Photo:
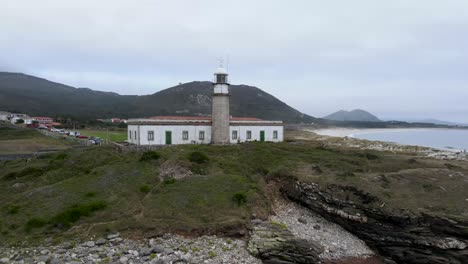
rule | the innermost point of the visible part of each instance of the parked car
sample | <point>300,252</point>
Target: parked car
<point>82,136</point>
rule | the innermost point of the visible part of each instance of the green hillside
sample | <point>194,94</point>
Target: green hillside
<point>36,96</point>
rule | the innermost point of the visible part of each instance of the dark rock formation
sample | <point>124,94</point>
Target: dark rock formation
<point>275,244</point>
<point>403,237</point>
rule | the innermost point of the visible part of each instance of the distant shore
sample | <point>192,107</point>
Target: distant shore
<point>351,132</point>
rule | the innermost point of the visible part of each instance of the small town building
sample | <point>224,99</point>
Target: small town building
<point>219,128</point>
<point>4,116</point>
<point>43,119</point>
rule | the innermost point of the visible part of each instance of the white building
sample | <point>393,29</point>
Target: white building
<point>220,128</point>
<point>4,116</point>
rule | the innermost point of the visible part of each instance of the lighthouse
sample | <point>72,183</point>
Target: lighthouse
<point>220,108</point>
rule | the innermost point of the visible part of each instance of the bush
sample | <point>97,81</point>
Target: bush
<point>198,157</point>
<point>35,223</point>
<point>145,188</point>
<point>31,171</point>
<point>90,194</point>
<point>169,181</point>
<point>13,209</point>
<point>240,198</point>
<point>149,155</point>
<point>74,213</point>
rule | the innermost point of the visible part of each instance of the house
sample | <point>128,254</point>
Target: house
<point>43,119</point>
<point>219,128</point>
<point>15,117</point>
<point>4,115</point>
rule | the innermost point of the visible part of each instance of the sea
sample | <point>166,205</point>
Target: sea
<point>445,139</point>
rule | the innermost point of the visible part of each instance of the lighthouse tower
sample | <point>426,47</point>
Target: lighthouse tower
<point>220,107</point>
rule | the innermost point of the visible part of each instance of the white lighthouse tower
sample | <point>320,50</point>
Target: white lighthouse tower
<point>220,107</point>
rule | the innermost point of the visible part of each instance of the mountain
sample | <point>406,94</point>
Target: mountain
<point>355,115</point>
<point>435,121</point>
<point>37,96</point>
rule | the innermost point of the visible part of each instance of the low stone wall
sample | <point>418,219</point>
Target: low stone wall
<point>124,147</point>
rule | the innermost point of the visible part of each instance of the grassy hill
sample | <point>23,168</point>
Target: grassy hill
<point>97,190</point>
<point>36,96</point>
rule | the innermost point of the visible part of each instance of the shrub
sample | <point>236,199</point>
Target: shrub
<point>13,209</point>
<point>31,171</point>
<point>145,188</point>
<point>61,156</point>
<point>90,194</point>
<point>149,155</point>
<point>240,198</point>
<point>169,181</point>
<point>198,157</point>
<point>35,223</point>
<point>74,213</point>
<point>10,176</point>
<point>371,156</point>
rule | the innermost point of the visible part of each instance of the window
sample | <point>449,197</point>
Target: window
<point>221,78</point>
<point>150,135</point>
<point>135,135</point>
<point>201,135</point>
<point>234,134</point>
<point>130,134</point>
<point>249,134</point>
<point>275,134</point>
<point>185,135</point>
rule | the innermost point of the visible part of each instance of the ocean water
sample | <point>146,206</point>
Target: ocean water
<point>446,139</point>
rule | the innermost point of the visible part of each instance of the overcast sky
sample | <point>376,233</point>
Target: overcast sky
<point>397,59</point>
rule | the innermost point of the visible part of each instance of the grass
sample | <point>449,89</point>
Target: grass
<point>98,189</point>
<point>26,141</point>
<point>118,135</point>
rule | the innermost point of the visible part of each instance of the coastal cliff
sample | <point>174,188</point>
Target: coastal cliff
<point>402,237</point>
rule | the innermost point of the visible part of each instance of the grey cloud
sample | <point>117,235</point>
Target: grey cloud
<point>395,57</point>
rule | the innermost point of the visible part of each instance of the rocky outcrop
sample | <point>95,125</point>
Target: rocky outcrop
<point>275,244</point>
<point>401,237</point>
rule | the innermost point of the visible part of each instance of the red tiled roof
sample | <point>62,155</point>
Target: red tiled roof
<point>204,118</point>
<point>181,117</point>
<point>245,119</point>
<point>41,117</point>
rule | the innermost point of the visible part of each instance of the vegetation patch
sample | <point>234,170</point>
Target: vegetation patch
<point>12,209</point>
<point>240,198</point>
<point>73,214</point>
<point>34,223</point>
<point>145,188</point>
<point>198,157</point>
<point>150,155</point>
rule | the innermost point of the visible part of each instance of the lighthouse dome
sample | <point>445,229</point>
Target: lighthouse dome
<point>220,70</point>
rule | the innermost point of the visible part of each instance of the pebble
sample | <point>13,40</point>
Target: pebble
<point>90,244</point>
<point>162,250</point>
<point>112,236</point>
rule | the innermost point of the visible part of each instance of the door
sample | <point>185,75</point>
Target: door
<point>168,137</point>
<point>262,136</point>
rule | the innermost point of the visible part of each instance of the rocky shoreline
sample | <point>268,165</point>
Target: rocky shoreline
<point>404,238</point>
<point>115,249</point>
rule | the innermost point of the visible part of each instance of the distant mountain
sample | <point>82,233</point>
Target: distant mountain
<point>36,96</point>
<point>435,121</point>
<point>355,115</point>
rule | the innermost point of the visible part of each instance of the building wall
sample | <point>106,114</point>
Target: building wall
<point>160,134</point>
<point>193,133</point>
<point>269,130</point>
<point>221,119</point>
